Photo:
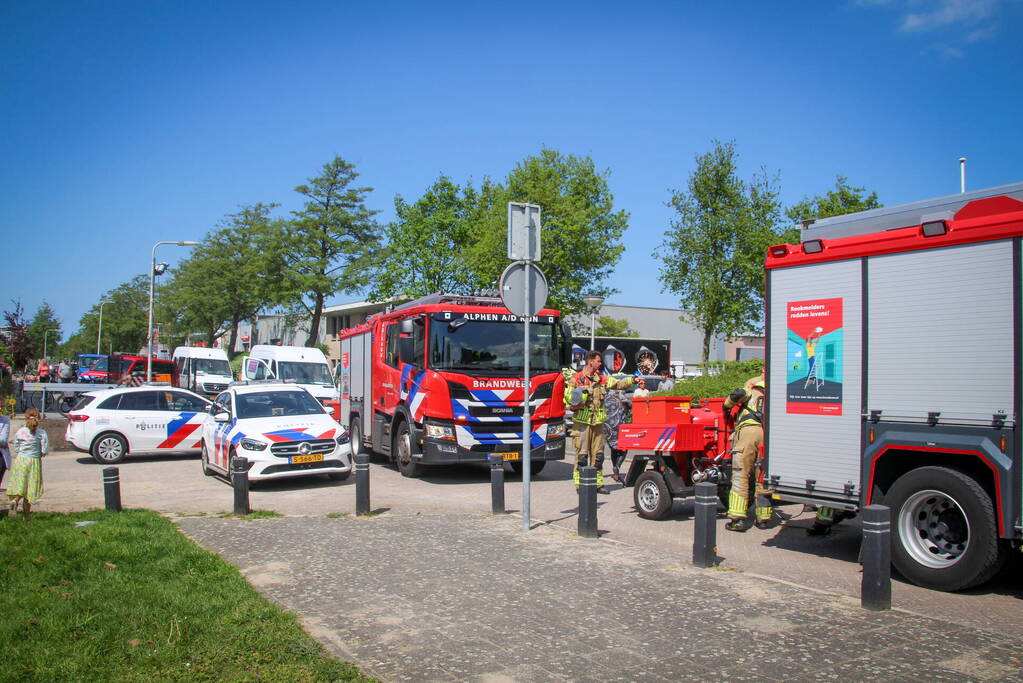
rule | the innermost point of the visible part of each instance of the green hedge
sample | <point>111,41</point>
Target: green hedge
<point>726,377</point>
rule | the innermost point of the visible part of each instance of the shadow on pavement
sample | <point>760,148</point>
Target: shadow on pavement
<point>139,459</point>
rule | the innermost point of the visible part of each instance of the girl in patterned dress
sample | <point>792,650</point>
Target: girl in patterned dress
<point>25,484</point>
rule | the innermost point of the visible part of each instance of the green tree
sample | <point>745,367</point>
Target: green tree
<point>124,319</point>
<point>229,277</point>
<point>713,254</point>
<point>20,347</point>
<point>842,200</point>
<point>427,243</point>
<point>45,319</point>
<point>581,235</point>
<point>614,327</point>
<point>332,244</point>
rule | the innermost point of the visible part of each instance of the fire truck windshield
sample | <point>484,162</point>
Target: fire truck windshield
<point>481,347</point>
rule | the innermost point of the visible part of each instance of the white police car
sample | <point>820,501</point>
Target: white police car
<point>112,423</point>
<point>280,428</point>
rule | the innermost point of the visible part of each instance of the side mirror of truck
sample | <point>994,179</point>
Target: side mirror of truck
<point>566,345</point>
<point>406,326</point>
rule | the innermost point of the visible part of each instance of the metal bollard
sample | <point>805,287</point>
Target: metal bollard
<point>496,483</point>
<point>705,545</point>
<point>362,483</point>
<point>588,502</point>
<point>876,585</point>
<point>112,488</point>
<point>240,482</point>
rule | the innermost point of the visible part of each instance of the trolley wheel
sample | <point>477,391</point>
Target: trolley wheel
<point>651,495</point>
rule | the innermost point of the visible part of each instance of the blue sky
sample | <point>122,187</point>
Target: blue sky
<point>126,123</point>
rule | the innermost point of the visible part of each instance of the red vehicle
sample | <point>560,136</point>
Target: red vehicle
<point>689,440</point>
<point>440,381</point>
<point>129,369</point>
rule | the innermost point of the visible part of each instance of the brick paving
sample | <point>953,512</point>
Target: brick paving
<point>467,596</point>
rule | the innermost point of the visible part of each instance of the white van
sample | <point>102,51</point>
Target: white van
<point>204,371</point>
<point>302,365</point>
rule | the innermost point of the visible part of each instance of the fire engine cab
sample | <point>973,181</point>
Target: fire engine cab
<point>895,348</point>
<point>440,381</point>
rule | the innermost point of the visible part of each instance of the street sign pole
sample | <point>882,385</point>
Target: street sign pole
<point>527,464</point>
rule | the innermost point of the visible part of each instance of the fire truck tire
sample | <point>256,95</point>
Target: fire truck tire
<point>109,448</point>
<point>651,496</point>
<point>355,434</point>
<point>535,467</point>
<point>945,529</point>
<point>403,451</point>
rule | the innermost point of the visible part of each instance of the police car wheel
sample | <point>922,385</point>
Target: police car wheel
<point>651,496</point>
<point>109,448</point>
<point>206,461</point>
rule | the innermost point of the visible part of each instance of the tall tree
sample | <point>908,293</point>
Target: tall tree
<point>125,318</point>
<point>839,201</point>
<point>20,347</point>
<point>581,235</point>
<point>332,244</point>
<point>45,331</point>
<point>427,243</point>
<point>230,276</point>
<point>713,254</point>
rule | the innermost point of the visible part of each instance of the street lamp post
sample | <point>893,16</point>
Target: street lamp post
<point>99,332</point>
<point>594,302</point>
<point>152,283</point>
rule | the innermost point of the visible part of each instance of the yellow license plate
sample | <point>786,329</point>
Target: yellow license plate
<point>513,456</point>
<point>298,459</point>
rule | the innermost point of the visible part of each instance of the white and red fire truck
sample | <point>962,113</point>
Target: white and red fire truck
<point>895,348</point>
<point>440,381</point>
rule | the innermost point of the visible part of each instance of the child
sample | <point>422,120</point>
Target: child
<point>25,484</point>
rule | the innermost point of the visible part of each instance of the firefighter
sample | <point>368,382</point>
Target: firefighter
<point>826,518</point>
<point>585,396</point>
<point>746,441</point>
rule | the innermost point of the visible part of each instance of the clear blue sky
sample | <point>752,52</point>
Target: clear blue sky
<point>125,123</point>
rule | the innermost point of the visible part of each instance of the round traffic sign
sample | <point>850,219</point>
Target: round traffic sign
<point>523,288</point>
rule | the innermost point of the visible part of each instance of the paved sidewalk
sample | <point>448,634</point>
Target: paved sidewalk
<point>467,596</point>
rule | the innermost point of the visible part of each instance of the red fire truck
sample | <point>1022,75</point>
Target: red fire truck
<point>440,381</point>
<point>895,348</point>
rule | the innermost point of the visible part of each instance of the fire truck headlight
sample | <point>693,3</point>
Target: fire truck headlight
<point>556,431</point>
<point>253,445</point>
<point>440,432</point>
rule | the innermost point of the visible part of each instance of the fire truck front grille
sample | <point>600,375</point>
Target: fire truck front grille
<point>288,448</point>
<point>498,410</point>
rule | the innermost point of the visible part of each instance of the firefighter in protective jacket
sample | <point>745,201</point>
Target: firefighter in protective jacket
<point>746,441</point>
<point>585,396</point>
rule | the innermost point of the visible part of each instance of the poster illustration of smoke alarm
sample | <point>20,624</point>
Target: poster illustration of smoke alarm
<point>814,370</point>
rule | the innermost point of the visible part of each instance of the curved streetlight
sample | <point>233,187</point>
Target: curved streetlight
<point>152,282</point>
<point>593,301</point>
<point>99,332</point>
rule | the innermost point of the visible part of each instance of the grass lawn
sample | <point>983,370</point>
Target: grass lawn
<point>130,598</point>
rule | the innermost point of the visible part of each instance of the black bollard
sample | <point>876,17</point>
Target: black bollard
<point>876,585</point>
<point>496,483</point>
<point>362,483</point>
<point>240,482</point>
<point>112,488</point>
<point>588,502</point>
<point>705,546</point>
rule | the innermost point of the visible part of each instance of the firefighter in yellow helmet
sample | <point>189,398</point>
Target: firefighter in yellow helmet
<point>585,396</point>
<point>746,441</point>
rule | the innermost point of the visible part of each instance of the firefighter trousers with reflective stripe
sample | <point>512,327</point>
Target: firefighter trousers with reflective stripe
<point>589,450</point>
<point>745,452</point>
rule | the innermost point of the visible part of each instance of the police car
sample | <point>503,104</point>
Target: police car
<point>112,423</point>
<point>280,428</point>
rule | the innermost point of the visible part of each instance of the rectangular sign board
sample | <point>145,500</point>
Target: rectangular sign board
<point>523,232</point>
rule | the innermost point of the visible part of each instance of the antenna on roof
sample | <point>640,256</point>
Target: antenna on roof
<point>962,174</point>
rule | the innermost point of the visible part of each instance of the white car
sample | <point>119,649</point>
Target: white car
<point>280,428</point>
<point>112,423</point>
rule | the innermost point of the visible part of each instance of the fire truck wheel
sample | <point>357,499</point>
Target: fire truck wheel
<point>535,467</point>
<point>355,433</point>
<point>407,465</point>
<point>109,448</point>
<point>651,496</point>
<point>206,461</point>
<point>945,529</point>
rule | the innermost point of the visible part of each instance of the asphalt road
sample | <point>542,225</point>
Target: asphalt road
<point>176,486</point>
